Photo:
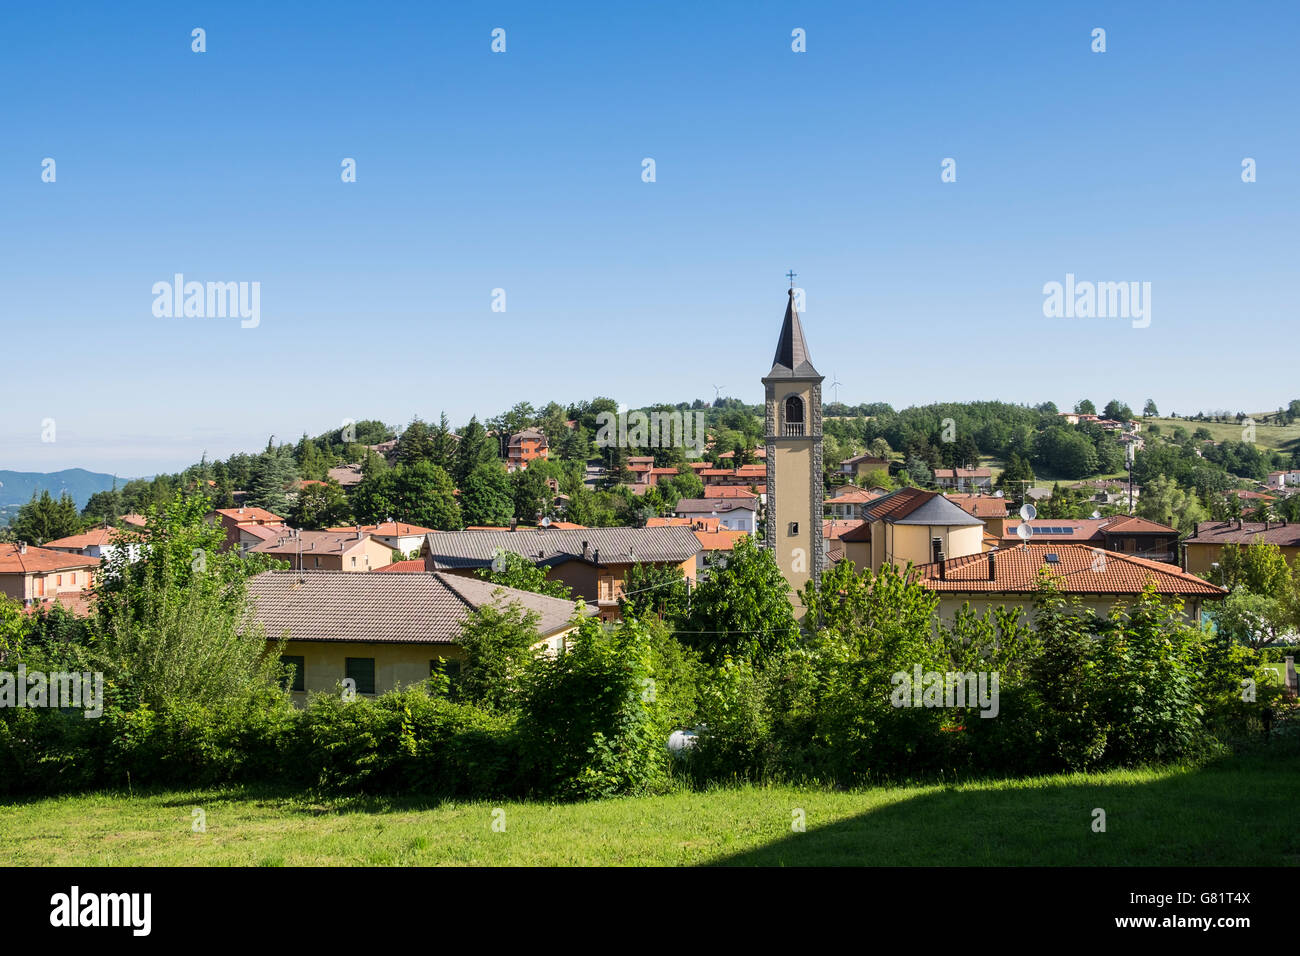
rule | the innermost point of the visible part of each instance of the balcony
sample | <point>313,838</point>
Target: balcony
<point>793,430</point>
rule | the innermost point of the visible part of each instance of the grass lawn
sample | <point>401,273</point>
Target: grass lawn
<point>1235,812</point>
<point>1266,435</point>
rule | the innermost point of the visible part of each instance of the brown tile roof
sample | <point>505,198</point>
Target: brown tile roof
<point>346,475</point>
<point>13,561</point>
<point>423,608</point>
<point>309,543</point>
<point>1017,572</point>
<point>1283,534</point>
<point>699,524</point>
<point>963,473</point>
<point>134,520</point>
<point>475,549</point>
<point>265,531</point>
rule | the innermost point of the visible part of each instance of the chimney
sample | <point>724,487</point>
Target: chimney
<point>514,523</point>
<point>22,547</point>
<point>586,549</point>
<point>943,568</point>
<point>993,565</point>
<point>358,534</point>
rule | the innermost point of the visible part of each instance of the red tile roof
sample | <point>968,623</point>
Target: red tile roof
<point>96,537</point>
<point>389,528</point>
<point>12,561</point>
<point>724,539</point>
<point>1078,571</point>
<point>250,513</point>
<point>835,528</point>
<point>416,564</point>
<point>728,491</point>
<point>981,506</point>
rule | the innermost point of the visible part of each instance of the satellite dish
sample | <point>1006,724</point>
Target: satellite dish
<point>1024,532</point>
<point>998,494</point>
<point>1028,511</point>
<point>546,522</point>
<point>1096,514</point>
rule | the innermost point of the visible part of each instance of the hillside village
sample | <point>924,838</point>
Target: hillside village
<point>378,545</point>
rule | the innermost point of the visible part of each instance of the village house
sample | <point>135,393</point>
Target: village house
<point>30,574</point>
<point>964,479</point>
<point>96,543</point>
<point>911,526</point>
<point>1203,548</point>
<point>327,550</point>
<point>594,562</point>
<point>1281,480</point>
<point>833,529</point>
<point>347,476</point>
<point>396,535</point>
<point>734,514</point>
<point>248,526</point>
<point>1120,534</point>
<point>859,466</point>
<point>1008,577</point>
<point>411,624</point>
<point>847,501</point>
<point>715,540</point>
<point>525,446</point>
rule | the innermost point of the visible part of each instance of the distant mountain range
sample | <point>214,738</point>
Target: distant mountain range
<point>17,487</point>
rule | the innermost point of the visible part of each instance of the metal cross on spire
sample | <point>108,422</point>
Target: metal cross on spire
<point>791,274</point>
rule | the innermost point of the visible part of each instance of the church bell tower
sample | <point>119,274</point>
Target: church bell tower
<point>794,456</point>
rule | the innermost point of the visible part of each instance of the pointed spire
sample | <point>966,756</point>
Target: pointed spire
<point>791,359</point>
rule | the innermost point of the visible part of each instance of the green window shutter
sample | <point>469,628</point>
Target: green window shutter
<point>362,670</point>
<point>299,679</point>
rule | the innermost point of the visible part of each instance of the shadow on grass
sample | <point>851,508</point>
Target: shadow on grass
<point>1234,812</point>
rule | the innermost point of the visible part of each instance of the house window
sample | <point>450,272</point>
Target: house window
<point>58,579</point>
<point>317,560</point>
<point>354,562</point>
<point>362,670</point>
<point>298,679</point>
<point>794,415</point>
<point>450,668</point>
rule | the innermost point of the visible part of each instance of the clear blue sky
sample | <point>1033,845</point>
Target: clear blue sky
<point>523,171</point>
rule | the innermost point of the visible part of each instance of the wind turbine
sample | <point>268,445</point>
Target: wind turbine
<point>717,390</point>
<point>835,384</point>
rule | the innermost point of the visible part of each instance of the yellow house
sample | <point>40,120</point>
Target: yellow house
<point>1204,546</point>
<point>327,550</point>
<point>384,630</point>
<point>911,526</point>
